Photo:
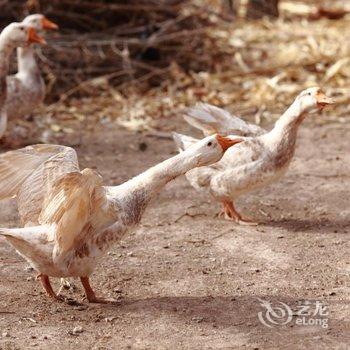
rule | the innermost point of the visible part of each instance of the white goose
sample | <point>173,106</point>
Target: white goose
<point>256,162</point>
<point>12,36</point>
<point>26,89</point>
<point>71,219</point>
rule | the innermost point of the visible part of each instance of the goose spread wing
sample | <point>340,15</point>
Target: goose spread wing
<point>72,204</point>
<point>29,173</point>
<point>211,119</point>
<point>183,141</point>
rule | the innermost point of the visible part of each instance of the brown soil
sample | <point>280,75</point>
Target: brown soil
<point>187,280</point>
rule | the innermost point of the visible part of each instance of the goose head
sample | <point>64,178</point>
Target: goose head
<point>39,22</point>
<point>21,35</point>
<point>211,149</point>
<point>312,100</point>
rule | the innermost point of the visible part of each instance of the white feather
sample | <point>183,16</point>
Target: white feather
<point>211,119</point>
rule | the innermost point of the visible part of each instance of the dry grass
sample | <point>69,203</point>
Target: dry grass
<point>256,69</point>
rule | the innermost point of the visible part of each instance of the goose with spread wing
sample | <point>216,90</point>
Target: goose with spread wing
<point>256,162</point>
<point>70,219</point>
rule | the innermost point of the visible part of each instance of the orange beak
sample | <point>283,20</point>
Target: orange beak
<point>33,37</point>
<point>323,100</point>
<point>48,25</point>
<point>226,142</point>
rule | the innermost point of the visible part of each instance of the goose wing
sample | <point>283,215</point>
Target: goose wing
<point>238,161</point>
<point>211,119</point>
<point>29,174</point>
<point>183,141</point>
<point>72,204</point>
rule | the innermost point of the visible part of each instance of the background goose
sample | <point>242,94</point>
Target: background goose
<point>12,36</point>
<point>26,89</point>
<point>256,162</point>
<point>70,218</point>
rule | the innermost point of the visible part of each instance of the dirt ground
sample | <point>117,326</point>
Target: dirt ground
<point>187,280</point>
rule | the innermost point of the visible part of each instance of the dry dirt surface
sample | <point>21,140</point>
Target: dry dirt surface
<point>188,280</point>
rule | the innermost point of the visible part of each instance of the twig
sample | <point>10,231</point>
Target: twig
<point>189,215</point>
<point>159,135</point>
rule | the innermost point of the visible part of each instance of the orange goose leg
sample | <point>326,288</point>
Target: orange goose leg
<point>48,288</point>
<point>229,212</point>
<point>91,296</point>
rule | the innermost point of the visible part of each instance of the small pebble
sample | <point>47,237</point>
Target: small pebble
<point>5,334</point>
<point>72,302</point>
<point>198,319</point>
<point>81,307</point>
<point>78,330</point>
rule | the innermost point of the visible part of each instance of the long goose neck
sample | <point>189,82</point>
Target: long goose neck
<point>26,60</point>
<point>6,49</point>
<point>154,179</point>
<point>287,125</point>
<point>134,195</point>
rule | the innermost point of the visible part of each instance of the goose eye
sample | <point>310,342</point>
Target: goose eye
<point>209,143</point>
<point>21,28</point>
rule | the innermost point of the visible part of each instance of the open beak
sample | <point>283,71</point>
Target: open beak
<point>227,142</point>
<point>48,25</point>
<point>33,37</point>
<point>323,100</point>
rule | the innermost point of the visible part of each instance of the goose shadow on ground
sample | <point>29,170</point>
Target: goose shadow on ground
<point>312,225</point>
<point>237,314</point>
